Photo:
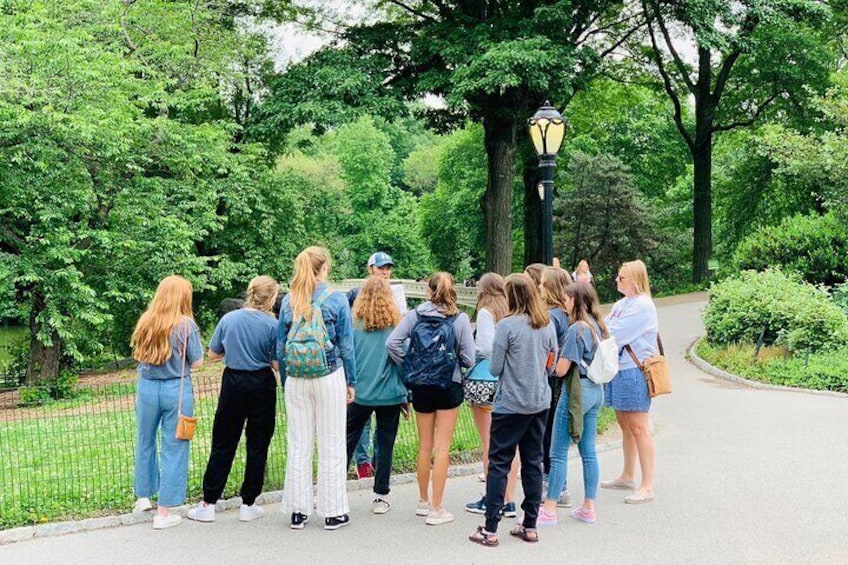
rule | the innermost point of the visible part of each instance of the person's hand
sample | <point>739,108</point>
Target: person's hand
<point>351,394</point>
<point>404,409</point>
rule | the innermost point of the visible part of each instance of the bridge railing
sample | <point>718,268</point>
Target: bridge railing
<point>466,296</point>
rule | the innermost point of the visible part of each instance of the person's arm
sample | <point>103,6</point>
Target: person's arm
<point>499,347</point>
<point>465,339</point>
<point>394,343</point>
<point>283,327</point>
<point>194,351</point>
<point>214,355</point>
<point>344,331</point>
<point>485,334</point>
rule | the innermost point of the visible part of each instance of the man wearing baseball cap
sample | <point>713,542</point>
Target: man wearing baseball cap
<point>380,264</point>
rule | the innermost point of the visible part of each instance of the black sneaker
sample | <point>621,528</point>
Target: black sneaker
<point>336,522</point>
<point>298,521</point>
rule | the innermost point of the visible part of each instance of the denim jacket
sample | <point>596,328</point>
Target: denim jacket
<point>337,320</point>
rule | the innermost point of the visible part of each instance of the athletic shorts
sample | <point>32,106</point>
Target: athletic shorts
<point>429,399</point>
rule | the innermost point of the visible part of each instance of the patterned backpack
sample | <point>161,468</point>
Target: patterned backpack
<point>307,343</point>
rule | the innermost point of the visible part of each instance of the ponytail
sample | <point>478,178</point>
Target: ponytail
<point>307,265</point>
<point>261,293</point>
<point>443,293</point>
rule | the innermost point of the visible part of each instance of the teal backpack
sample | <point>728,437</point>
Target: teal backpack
<point>307,344</point>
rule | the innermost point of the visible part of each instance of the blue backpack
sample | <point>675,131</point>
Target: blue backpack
<point>431,358</point>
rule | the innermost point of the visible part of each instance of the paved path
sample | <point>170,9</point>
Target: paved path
<point>744,476</point>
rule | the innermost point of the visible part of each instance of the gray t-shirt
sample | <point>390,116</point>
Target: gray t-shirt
<point>247,338</point>
<point>170,369</point>
<point>519,355</point>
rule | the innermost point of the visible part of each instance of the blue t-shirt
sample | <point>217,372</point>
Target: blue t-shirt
<point>170,369</point>
<point>247,338</point>
<point>560,319</point>
<point>581,344</point>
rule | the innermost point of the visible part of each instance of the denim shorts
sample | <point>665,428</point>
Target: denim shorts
<point>628,391</point>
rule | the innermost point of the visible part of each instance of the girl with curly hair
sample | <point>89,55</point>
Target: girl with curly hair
<point>379,388</point>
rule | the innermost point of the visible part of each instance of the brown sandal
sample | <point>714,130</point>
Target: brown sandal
<point>483,537</point>
<point>530,535</point>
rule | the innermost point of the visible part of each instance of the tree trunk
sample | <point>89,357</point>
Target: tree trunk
<point>497,201</point>
<point>44,359</point>
<point>532,210</point>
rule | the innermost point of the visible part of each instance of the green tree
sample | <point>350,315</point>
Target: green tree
<point>751,57</point>
<point>492,61</point>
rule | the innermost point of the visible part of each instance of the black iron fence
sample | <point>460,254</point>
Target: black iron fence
<point>74,458</point>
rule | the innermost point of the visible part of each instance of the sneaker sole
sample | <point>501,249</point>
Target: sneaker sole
<point>422,511</point>
<point>198,519</point>
<point>299,526</point>
<point>510,514</point>
<point>477,510</point>
<point>250,518</point>
<point>439,522</point>
<point>336,526</point>
<point>380,511</point>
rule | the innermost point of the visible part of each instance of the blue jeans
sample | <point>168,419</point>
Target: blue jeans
<point>156,408</point>
<point>593,397</point>
<point>360,455</point>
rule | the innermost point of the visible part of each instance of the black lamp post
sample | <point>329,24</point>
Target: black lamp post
<point>547,130</point>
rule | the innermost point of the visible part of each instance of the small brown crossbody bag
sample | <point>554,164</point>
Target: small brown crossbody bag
<point>655,370</point>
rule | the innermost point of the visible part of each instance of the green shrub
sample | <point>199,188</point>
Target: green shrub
<point>817,371</point>
<point>785,310</point>
<point>840,296</point>
<point>815,247</point>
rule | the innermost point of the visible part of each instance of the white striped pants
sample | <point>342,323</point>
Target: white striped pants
<point>316,409</point>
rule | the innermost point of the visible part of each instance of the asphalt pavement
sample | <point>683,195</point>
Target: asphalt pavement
<point>743,476</point>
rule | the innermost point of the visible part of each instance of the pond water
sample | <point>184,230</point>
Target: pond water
<point>9,337</point>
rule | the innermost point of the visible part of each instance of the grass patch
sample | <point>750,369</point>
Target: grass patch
<point>775,365</point>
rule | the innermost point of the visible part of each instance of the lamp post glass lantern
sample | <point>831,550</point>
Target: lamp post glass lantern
<point>547,130</point>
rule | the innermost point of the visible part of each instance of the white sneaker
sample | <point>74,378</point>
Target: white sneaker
<point>202,512</point>
<point>438,517</point>
<point>143,504</point>
<point>250,513</point>
<point>380,505</point>
<point>423,508</point>
<point>163,522</point>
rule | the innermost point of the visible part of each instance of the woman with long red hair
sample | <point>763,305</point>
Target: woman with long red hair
<point>166,344</point>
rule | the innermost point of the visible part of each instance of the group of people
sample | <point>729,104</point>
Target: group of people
<point>341,358</point>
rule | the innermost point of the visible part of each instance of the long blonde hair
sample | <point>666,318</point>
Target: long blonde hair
<point>307,265</point>
<point>262,293</point>
<point>151,340</point>
<point>491,295</point>
<point>375,306</point>
<point>443,293</point>
<point>523,296</point>
<point>638,273</point>
<point>554,281</point>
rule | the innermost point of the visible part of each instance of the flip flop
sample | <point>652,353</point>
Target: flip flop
<point>530,535</point>
<point>483,537</point>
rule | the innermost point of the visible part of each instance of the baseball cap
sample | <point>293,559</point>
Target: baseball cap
<point>380,259</point>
